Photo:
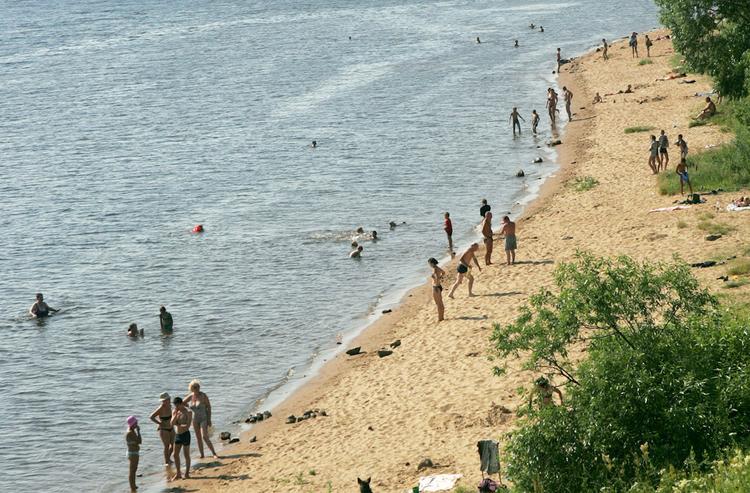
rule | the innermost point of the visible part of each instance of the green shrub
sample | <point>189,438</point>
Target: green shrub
<point>667,379</point>
<point>740,268</point>
<point>583,183</point>
<point>697,123</point>
<point>738,283</point>
<point>638,128</point>
<point>715,228</point>
<point>645,61</point>
<point>681,224</point>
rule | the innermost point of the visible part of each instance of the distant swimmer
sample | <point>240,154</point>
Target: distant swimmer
<point>314,144</point>
<point>485,207</point>
<point>464,268</point>
<point>354,245</point>
<point>487,234</point>
<point>350,38</point>
<point>40,309</point>
<point>360,230</point>
<point>374,236</point>
<point>516,44</point>
<point>393,224</point>
<point>478,42</point>
<point>532,26</point>
<point>134,332</point>
<point>509,231</point>
<point>448,228</point>
<point>605,49</point>
<point>534,120</point>
<point>559,60</point>
<point>165,320</point>
<point>541,29</point>
<point>437,287</point>
<point>514,116</point>
<point>357,253</point>
<point>568,97</point>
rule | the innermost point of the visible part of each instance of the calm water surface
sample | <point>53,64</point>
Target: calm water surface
<point>123,124</point>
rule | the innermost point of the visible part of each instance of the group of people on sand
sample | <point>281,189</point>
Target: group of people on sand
<point>469,256</point>
<point>633,43</point>
<point>658,158</point>
<point>742,202</point>
<point>173,419</point>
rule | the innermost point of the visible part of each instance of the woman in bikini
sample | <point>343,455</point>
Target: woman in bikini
<point>437,287</point>
<point>201,408</point>
<point>162,416</point>
<point>181,419</point>
<point>133,441</point>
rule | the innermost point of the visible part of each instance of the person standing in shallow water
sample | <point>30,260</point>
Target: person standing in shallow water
<point>487,234</point>
<point>40,309</point>
<point>201,408</point>
<point>484,208</point>
<point>448,228</point>
<point>133,441</point>
<point>165,320</point>
<point>534,120</point>
<point>437,287</point>
<point>514,116</point>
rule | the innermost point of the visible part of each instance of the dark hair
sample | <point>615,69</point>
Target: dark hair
<point>484,201</point>
<point>162,309</point>
<point>132,326</point>
<point>177,401</point>
<point>432,261</point>
<point>506,218</point>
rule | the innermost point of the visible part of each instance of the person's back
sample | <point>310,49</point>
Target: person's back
<point>165,319</point>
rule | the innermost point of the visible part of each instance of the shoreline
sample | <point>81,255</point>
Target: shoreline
<point>435,396</point>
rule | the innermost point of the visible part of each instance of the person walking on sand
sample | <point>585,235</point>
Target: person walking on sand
<point>181,419</point>
<point>201,409</point>
<point>682,172</point>
<point>40,309</point>
<point>133,441</point>
<point>663,151</point>
<point>649,44</point>
<point>509,231</point>
<point>682,145</point>
<point>605,49</point>
<point>448,228</point>
<point>568,97</point>
<point>534,120</point>
<point>514,116</point>
<point>162,417</point>
<point>437,287</point>
<point>487,234</point>
<point>484,208</point>
<point>653,156</point>
<point>634,44</point>
<point>165,320</point>
<point>464,268</point>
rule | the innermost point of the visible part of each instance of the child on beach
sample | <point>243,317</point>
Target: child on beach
<point>448,228</point>
<point>437,287</point>
<point>654,155</point>
<point>534,120</point>
<point>181,420</point>
<point>684,178</point>
<point>133,441</point>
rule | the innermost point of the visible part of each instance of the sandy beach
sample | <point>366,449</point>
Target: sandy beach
<point>436,395</point>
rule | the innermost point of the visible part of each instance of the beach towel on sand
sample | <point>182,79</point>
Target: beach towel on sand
<point>735,208</point>
<point>439,482</point>
<point>670,209</point>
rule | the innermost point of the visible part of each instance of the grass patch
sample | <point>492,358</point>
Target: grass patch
<point>464,489</point>
<point>739,268</point>
<point>697,123</point>
<point>705,215</point>
<point>715,228</point>
<point>736,283</point>
<point>645,61</point>
<point>638,128</point>
<point>583,183</point>
<point>726,167</point>
<point>681,224</point>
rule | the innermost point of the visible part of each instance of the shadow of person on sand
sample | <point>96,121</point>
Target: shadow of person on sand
<point>466,317</point>
<point>500,295</point>
<point>534,262</point>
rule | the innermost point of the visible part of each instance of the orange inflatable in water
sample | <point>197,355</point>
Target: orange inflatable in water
<point>198,229</point>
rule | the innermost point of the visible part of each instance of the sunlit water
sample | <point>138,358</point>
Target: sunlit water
<point>123,124</point>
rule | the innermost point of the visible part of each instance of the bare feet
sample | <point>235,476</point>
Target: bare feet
<point>216,457</point>
<point>176,477</point>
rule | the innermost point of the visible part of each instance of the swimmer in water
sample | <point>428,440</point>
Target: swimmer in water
<point>357,253</point>
<point>541,29</point>
<point>478,42</point>
<point>532,26</point>
<point>165,320</point>
<point>374,236</point>
<point>354,245</point>
<point>314,144</point>
<point>360,230</point>
<point>516,45</point>
<point>134,332</point>
<point>40,309</point>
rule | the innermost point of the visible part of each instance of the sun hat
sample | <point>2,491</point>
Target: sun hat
<point>132,421</point>
<point>164,396</point>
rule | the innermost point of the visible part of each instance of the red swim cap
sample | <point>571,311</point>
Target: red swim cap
<point>198,229</point>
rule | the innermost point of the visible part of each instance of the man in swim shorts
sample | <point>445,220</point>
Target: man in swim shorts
<point>682,172</point>
<point>682,145</point>
<point>663,152</point>
<point>514,116</point>
<point>40,309</point>
<point>509,231</point>
<point>708,111</point>
<point>487,233</point>
<point>464,268</point>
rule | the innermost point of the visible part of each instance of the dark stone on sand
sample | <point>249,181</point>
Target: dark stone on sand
<point>712,237</point>
<point>267,414</point>
<point>259,417</point>
<point>323,412</point>
<point>251,419</point>
<point>370,428</point>
<point>723,278</point>
<point>234,440</point>
<point>354,351</point>
<point>425,463</point>
<point>396,343</point>
<point>555,142</point>
<point>384,352</point>
<point>703,265</point>
<point>387,311</point>
<point>520,173</point>
<point>225,435</point>
<point>301,419</point>
<point>538,160</point>
<point>291,419</point>
<point>253,439</point>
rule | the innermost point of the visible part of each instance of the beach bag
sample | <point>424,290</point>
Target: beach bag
<point>695,199</point>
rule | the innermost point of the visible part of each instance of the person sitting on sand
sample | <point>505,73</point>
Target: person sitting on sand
<point>653,156</point>
<point>684,178</point>
<point>487,234</point>
<point>513,119</point>
<point>464,268</point>
<point>448,228</point>
<point>509,231</point>
<point>605,49</point>
<point>568,98</point>
<point>634,44</point>
<point>356,253</point>
<point>165,320</point>
<point>133,441</point>
<point>40,309</point>
<point>544,391</point>
<point>628,90</point>
<point>133,331</point>
<point>597,99</point>
<point>708,111</point>
<point>437,287</point>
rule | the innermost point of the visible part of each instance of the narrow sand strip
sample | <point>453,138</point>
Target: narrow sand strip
<point>434,396</point>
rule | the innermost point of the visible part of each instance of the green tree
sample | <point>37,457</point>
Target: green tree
<point>714,38</point>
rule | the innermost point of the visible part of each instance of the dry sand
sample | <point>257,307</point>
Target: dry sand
<point>436,395</point>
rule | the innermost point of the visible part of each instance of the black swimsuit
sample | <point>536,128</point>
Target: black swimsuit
<point>165,419</point>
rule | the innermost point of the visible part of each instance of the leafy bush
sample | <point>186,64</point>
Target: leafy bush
<point>715,228</point>
<point>740,268</point>
<point>583,183</point>
<point>638,128</point>
<point>646,61</point>
<point>667,377</point>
